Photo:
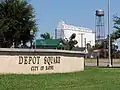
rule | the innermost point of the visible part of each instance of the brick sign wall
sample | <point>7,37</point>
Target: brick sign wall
<point>36,64</point>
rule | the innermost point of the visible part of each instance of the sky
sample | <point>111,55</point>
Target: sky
<point>76,12</point>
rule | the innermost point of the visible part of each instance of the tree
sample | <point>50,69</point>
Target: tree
<point>102,45</point>
<point>46,36</point>
<point>116,35</point>
<point>17,19</point>
<point>69,44</point>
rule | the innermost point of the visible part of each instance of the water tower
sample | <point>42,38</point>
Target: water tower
<point>99,25</point>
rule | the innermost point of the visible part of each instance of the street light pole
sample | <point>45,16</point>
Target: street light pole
<point>35,41</point>
<point>109,47</point>
<point>31,41</point>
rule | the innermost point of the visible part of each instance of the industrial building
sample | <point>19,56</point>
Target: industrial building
<point>83,35</point>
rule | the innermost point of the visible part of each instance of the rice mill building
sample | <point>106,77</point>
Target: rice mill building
<point>83,35</point>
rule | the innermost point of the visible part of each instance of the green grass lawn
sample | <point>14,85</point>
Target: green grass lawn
<point>92,78</point>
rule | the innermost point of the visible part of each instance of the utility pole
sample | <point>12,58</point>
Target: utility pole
<point>109,47</point>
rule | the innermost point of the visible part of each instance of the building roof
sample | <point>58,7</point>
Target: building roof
<point>48,42</point>
<point>62,25</point>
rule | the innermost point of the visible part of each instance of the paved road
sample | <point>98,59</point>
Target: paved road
<point>101,64</point>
